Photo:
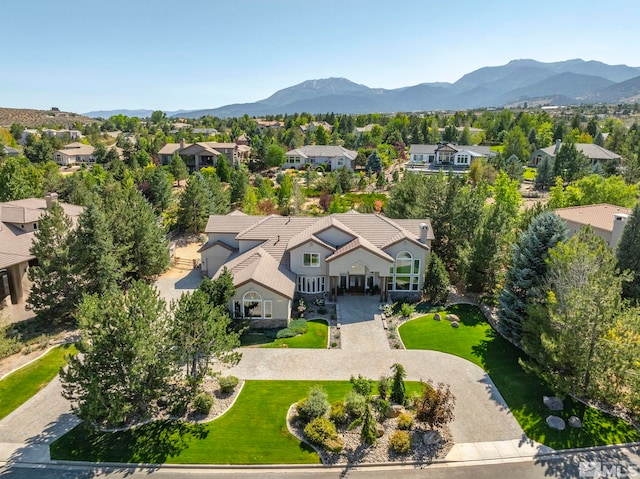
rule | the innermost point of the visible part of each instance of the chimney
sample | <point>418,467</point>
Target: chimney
<point>182,143</point>
<point>424,229</point>
<point>558,145</point>
<point>50,198</point>
<point>619,222</point>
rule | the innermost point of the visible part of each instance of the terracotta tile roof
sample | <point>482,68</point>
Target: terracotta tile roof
<point>598,216</point>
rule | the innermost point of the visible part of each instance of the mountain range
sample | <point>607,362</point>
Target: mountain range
<point>519,81</point>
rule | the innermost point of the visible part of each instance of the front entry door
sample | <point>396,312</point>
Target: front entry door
<point>356,284</point>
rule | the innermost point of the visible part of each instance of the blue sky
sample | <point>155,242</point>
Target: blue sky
<point>192,54</point>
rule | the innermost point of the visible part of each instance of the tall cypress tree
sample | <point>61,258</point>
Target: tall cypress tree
<point>527,271</point>
<point>196,204</point>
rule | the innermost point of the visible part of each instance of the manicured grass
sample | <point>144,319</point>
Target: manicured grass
<point>21,385</point>
<point>530,173</point>
<point>315,338</point>
<point>253,431</point>
<point>477,342</point>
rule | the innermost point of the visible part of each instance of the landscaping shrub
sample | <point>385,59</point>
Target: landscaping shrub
<point>203,403</point>
<point>400,442</point>
<point>361,385</point>
<point>338,413</point>
<point>384,386</point>
<point>382,408</point>
<point>405,421</point>
<point>355,404</point>
<point>179,408</point>
<point>406,310</point>
<point>435,406</point>
<point>295,328</point>
<point>323,432</point>
<point>368,433</point>
<point>227,383</point>
<point>314,405</point>
<point>398,390</point>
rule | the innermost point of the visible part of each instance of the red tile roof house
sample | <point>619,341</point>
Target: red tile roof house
<point>607,221</point>
<point>18,224</point>
<point>276,259</point>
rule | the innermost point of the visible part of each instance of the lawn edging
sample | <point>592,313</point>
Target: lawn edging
<point>33,360</point>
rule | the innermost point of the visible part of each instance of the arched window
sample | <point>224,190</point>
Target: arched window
<point>254,307</point>
<point>405,274</point>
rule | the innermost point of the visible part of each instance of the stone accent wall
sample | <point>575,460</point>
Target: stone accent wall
<point>267,323</point>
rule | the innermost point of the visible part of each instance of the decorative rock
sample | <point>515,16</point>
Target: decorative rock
<point>395,410</point>
<point>379,430</point>
<point>556,422</point>
<point>452,317</point>
<point>431,437</point>
<point>437,317</point>
<point>455,324</point>
<point>553,403</point>
<point>575,422</point>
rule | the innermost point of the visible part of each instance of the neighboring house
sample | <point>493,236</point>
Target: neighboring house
<point>264,125</point>
<point>274,259</point>
<point>447,154</point>
<point>18,223</point>
<point>359,130</point>
<point>74,153</point>
<point>592,151</point>
<point>63,134</point>
<point>199,155</point>
<point>607,221</point>
<point>331,156</point>
<point>25,134</point>
<point>312,126</point>
<point>9,151</point>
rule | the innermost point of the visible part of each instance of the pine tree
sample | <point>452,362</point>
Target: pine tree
<point>92,253</point>
<point>368,433</point>
<point>53,293</point>
<point>126,363</point>
<point>374,163</point>
<point>239,182</point>
<point>436,281</point>
<point>222,169</point>
<point>544,174</point>
<point>160,189</point>
<point>398,394</point>
<point>527,272</point>
<point>628,255</point>
<point>196,204</point>
<point>177,168</point>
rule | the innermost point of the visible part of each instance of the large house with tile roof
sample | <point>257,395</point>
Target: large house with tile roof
<point>447,154</point>
<point>607,221</point>
<point>18,224</point>
<point>594,152</point>
<point>274,259</point>
<point>329,157</point>
<point>200,154</point>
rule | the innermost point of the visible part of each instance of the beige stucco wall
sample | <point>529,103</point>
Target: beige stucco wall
<point>213,258</point>
<point>281,306</point>
<point>228,238</point>
<point>374,262</point>
<point>297,255</point>
<point>573,228</point>
<point>415,250</point>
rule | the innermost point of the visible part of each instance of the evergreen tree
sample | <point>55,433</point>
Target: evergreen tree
<point>368,433</point>
<point>465,136</point>
<point>374,163</point>
<point>178,169</point>
<point>436,281</point>
<point>222,169</point>
<point>598,139</point>
<point>239,182</point>
<point>196,204</point>
<point>200,332</point>
<point>219,290</point>
<point>126,362</point>
<point>53,293</point>
<point>92,253</point>
<point>564,336</point>
<point>275,156</point>
<point>285,191</point>
<point>19,179</point>
<point>570,164</point>
<point>628,255</point>
<point>219,194</point>
<point>544,174</point>
<point>398,394</point>
<point>527,271</point>
<point>160,189</point>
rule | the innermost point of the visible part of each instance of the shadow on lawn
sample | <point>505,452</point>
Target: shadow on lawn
<point>152,443</point>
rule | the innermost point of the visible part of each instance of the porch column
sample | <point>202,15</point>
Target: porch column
<point>15,283</point>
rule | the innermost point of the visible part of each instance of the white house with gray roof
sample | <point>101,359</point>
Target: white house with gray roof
<point>447,154</point>
<point>274,259</point>
<point>330,157</point>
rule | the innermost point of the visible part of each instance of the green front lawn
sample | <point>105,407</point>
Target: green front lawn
<point>253,431</point>
<point>530,173</point>
<point>477,342</point>
<point>21,385</point>
<point>316,337</point>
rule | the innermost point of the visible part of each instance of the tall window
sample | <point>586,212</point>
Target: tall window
<point>311,259</point>
<point>253,306</point>
<point>405,274</point>
<point>311,284</point>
